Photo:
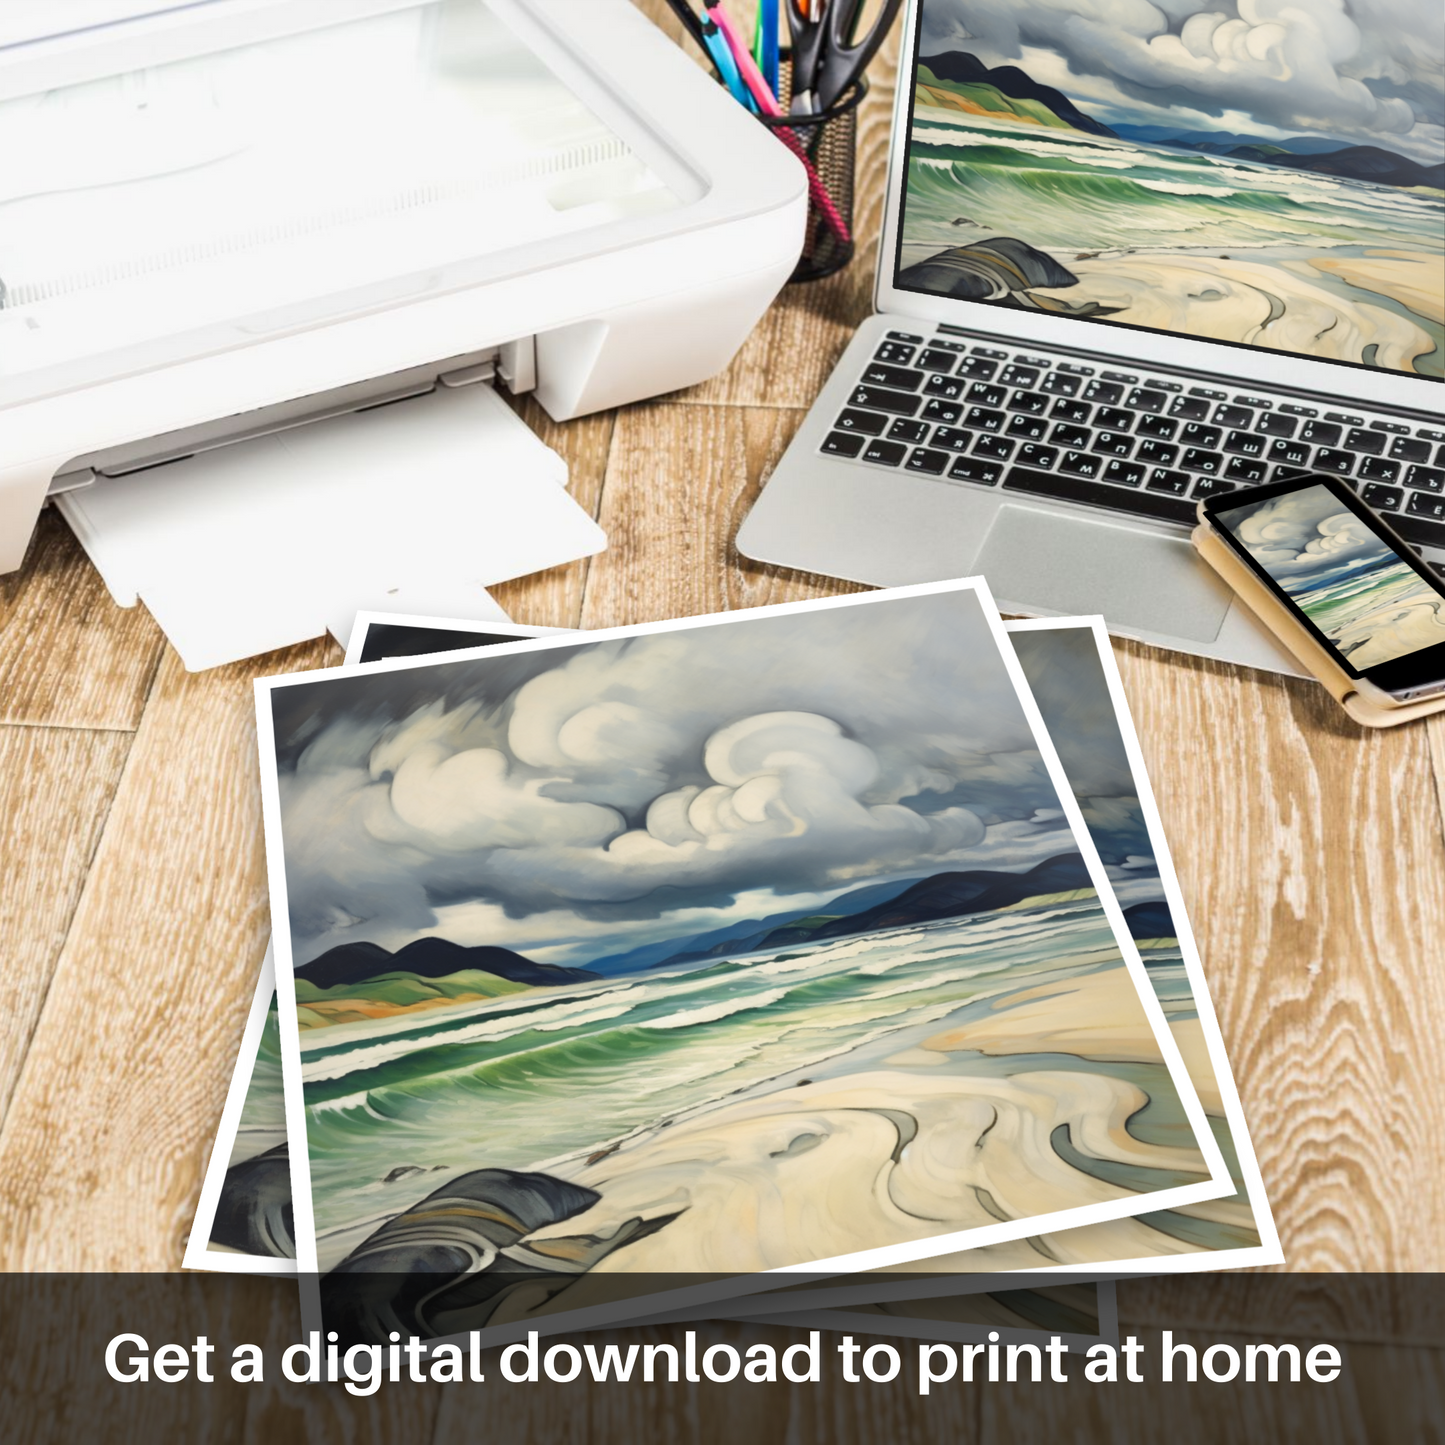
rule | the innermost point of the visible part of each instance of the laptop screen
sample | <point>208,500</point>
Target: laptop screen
<point>1264,173</point>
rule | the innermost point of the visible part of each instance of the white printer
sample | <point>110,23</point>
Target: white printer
<point>223,220</point>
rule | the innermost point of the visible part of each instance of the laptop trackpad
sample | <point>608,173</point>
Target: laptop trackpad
<point>1039,559</point>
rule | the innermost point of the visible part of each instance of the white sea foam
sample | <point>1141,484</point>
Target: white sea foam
<point>711,1013</point>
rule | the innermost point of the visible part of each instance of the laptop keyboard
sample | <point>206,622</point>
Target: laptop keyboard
<point>1138,444</point>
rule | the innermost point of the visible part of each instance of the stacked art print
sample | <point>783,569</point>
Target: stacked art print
<point>720,947</point>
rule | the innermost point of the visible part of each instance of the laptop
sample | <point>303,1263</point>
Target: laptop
<point>1121,272</point>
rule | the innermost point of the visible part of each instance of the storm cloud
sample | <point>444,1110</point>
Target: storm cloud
<point>634,778</point>
<point>1366,71</point>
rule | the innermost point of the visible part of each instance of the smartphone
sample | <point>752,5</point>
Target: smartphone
<point>1339,570</point>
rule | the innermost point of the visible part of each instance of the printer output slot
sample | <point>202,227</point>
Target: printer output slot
<point>513,362</point>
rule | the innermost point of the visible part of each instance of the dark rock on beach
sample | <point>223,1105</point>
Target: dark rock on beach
<point>445,1265</point>
<point>1002,268</point>
<point>253,1213</point>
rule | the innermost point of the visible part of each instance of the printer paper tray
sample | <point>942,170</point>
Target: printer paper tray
<point>416,506</point>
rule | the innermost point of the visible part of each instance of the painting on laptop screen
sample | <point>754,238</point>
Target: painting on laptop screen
<point>1246,171</point>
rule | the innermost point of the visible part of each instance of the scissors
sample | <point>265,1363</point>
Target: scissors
<point>828,56</point>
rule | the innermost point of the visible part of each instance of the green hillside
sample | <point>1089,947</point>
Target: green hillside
<point>979,98</point>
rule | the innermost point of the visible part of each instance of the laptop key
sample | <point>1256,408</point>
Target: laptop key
<point>1421,504</point>
<point>1426,479</point>
<point>1081,464</point>
<point>948,387</point>
<point>923,459</point>
<point>1160,427</point>
<point>1156,454</point>
<point>1070,436</point>
<point>867,422</point>
<point>935,360</point>
<point>905,429</point>
<point>1289,453</point>
<point>1418,530</point>
<point>995,448</point>
<point>1144,399</point>
<point>895,353</point>
<point>1189,408</point>
<point>1032,428</point>
<point>1076,411</point>
<point>1245,444</point>
<point>1272,424</point>
<point>1199,460</point>
<point>955,439</point>
<point>944,411</point>
<point>1161,479</point>
<point>1210,487</point>
<point>886,454</point>
<point>984,419</point>
<point>1408,449</point>
<point>1242,469</point>
<point>985,395</point>
<point>1101,494</point>
<point>877,374</point>
<point>1034,403</point>
<point>1107,392</point>
<point>1195,435</point>
<point>1368,443</point>
<point>1060,383</point>
<point>1381,498</point>
<point>1019,375</point>
<point>1235,416</point>
<point>1322,433</point>
<point>905,336</point>
<point>843,444</point>
<point>978,368</point>
<point>1377,469</point>
<point>1332,459</point>
<point>1032,456</point>
<point>971,469</point>
<point>1124,474</point>
<point>878,398</point>
<point>1113,418</point>
<point>1113,444</point>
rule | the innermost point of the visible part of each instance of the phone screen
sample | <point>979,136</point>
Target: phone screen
<point>1350,581</point>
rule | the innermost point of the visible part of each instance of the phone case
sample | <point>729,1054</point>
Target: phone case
<point>1315,658</point>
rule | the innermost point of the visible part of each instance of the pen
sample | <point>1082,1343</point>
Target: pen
<point>765,42</point>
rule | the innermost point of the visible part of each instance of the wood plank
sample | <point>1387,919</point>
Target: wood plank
<point>56,786</point>
<point>1311,857</point>
<point>109,1126</point>
<point>1201,1413</point>
<point>69,657</point>
<point>679,482</point>
<point>706,1413</point>
<point>554,598</point>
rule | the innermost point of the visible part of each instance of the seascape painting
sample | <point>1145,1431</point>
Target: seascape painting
<point>720,948</point>
<point>1350,584</point>
<point>1266,174</point>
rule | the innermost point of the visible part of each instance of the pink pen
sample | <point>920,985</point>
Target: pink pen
<point>768,104</point>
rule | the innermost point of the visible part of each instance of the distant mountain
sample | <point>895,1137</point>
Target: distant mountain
<point>1317,154</point>
<point>1222,142</point>
<point>951,895</point>
<point>350,964</point>
<point>739,937</point>
<point>1369,163</point>
<point>1149,920</point>
<point>962,69</point>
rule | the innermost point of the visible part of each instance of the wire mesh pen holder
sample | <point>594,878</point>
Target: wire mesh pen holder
<point>826,143</point>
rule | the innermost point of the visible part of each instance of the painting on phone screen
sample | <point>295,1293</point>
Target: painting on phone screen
<point>1349,582</point>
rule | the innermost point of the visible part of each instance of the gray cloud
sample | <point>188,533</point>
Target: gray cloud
<point>631,778</point>
<point>1362,70</point>
<point>1303,539</point>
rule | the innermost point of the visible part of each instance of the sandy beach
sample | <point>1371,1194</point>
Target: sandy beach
<point>1261,303</point>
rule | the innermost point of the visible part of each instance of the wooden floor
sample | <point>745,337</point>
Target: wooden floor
<point>133,906</point>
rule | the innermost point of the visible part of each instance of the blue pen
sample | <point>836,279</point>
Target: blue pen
<point>727,67</point>
<point>768,28</point>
